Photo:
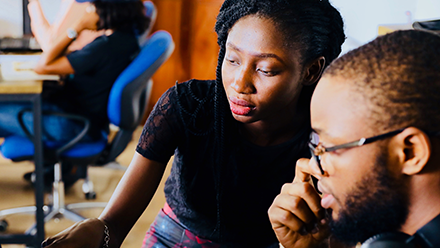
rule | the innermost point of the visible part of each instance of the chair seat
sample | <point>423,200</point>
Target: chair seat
<point>15,147</point>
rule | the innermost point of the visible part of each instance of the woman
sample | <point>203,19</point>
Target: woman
<point>90,73</point>
<point>235,140</point>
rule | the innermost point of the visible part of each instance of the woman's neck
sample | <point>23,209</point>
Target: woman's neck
<point>274,131</point>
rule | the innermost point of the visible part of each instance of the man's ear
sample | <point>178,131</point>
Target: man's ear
<point>414,150</point>
<point>313,71</point>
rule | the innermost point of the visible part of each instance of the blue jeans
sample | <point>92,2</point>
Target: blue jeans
<point>55,128</point>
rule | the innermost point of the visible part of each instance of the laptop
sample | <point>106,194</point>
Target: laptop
<point>24,44</point>
<point>430,26</point>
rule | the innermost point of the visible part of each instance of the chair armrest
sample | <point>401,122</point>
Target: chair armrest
<point>71,142</point>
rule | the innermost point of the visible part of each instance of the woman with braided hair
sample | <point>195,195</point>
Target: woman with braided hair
<point>235,140</point>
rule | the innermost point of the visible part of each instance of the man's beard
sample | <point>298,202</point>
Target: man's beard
<point>378,204</point>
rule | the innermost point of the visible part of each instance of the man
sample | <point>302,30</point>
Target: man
<point>387,91</point>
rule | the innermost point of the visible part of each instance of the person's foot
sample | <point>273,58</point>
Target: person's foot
<point>47,179</point>
<point>69,178</point>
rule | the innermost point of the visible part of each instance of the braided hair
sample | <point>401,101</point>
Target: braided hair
<point>314,26</point>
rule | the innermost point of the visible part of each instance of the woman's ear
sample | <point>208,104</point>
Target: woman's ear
<point>313,71</point>
<point>414,150</point>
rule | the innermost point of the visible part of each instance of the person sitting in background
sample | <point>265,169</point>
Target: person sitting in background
<point>46,33</point>
<point>384,189</point>
<point>90,72</point>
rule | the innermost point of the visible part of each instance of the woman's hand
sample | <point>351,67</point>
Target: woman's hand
<point>296,214</point>
<point>88,233</point>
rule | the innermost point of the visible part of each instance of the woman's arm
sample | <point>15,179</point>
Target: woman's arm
<point>40,27</point>
<point>54,61</point>
<point>46,33</point>
<point>132,195</point>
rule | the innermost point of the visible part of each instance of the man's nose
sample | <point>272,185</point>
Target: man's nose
<point>243,81</point>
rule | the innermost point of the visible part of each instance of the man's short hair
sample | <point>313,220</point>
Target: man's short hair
<point>399,75</point>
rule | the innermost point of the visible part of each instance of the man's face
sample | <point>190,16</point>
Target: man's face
<point>362,196</point>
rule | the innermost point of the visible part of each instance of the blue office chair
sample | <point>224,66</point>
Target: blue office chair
<point>126,106</point>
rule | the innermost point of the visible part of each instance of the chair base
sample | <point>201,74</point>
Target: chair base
<point>58,209</point>
<point>115,166</point>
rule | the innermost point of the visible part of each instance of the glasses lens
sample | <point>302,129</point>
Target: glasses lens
<point>313,143</point>
<point>314,139</point>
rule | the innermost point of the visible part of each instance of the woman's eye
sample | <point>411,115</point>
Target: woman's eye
<point>267,72</point>
<point>231,61</point>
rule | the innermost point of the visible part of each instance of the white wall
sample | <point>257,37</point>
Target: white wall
<point>11,18</point>
<point>362,18</point>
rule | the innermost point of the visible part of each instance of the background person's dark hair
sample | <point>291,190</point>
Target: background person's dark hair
<point>399,75</point>
<point>314,27</point>
<point>122,16</point>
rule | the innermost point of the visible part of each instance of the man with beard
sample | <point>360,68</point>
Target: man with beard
<point>375,116</point>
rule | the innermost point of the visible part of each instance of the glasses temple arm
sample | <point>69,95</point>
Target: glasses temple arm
<point>363,141</point>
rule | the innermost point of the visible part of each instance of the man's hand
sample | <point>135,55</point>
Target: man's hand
<point>88,233</point>
<point>296,213</point>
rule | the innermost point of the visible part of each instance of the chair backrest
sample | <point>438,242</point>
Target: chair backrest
<point>151,12</point>
<point>123,107</point>
<point>128,95</point>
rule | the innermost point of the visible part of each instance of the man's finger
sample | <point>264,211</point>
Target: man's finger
<point>281,217</point>
<point>307,193</point>
<point>302,174</point>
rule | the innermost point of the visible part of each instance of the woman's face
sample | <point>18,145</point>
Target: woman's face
<point>261,76</point>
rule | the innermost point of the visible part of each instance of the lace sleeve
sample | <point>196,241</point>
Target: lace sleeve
<point>162,130</point>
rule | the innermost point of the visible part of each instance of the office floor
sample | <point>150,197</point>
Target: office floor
<point>15,192</point>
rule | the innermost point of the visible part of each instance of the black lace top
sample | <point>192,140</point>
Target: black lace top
<point>182,124</point>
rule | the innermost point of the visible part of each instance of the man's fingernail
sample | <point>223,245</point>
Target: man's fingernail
<point>323,221</point>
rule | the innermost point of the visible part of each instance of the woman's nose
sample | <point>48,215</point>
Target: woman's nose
<point>243,82</point>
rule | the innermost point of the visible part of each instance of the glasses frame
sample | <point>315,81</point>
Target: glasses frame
<point>317,150</point>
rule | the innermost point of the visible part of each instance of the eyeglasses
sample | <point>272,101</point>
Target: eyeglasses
<point>317,149</point>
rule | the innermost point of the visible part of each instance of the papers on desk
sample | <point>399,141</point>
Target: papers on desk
<point>20,68</point>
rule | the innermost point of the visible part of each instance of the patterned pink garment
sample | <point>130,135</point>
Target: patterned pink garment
<point>167,231</point>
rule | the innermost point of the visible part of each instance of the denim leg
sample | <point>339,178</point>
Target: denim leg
<point>163,233</point>
<point>54,127</point>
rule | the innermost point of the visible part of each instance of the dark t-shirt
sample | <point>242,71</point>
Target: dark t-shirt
<point>96,68</point>
<point>182,124</point>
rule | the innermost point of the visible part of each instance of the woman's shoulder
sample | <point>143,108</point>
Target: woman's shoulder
<point>194,94</point>
<point>117,39</point>
<point>196,89</point>
<point>195,104</point>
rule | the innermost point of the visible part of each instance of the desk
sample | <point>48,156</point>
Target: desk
<point>29,91</point>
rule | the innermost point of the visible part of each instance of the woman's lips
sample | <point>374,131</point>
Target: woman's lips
<point>240,107</point>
